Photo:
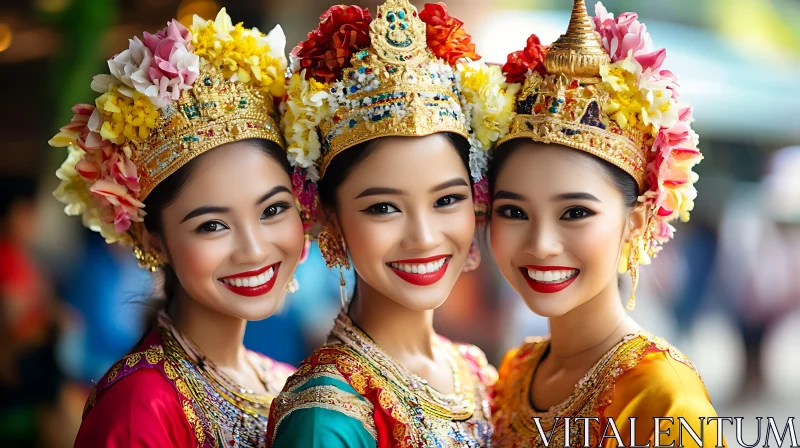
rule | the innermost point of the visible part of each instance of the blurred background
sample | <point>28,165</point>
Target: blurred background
<point>726,291</point>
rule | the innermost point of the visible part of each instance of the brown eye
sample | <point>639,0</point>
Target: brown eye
<point>381,209</point>
<point>449,200</point>
<point>210,227</point>
<point>511,212</point>
<point>575,213</point>
<point>274,210</point>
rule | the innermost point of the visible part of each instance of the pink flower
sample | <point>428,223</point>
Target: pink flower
<point>305,193</point>
<point>627,35</point>
<point>123,171</point>
<point>87,169</point>
<point>668,80</point>
<point>126,208</point>
<point>174,66</point>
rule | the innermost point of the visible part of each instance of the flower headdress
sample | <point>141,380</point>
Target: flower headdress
<point>169,97</point>
<point>600,88</point>
<point>401,74</point>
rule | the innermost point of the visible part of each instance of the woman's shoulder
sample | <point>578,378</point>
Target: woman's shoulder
<point>324,390</point>
<point>521,355</point>
<point>139,408</point>
<point>660,363</point>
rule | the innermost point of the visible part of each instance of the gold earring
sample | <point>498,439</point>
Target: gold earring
<point>633,268</point>
<point>334,252</point>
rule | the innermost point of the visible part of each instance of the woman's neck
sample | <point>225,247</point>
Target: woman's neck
<point>399,331</point>
<point>588,331</point>
<point>218,336</point>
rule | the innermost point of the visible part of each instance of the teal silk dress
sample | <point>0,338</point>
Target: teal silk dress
<point>350,393</point>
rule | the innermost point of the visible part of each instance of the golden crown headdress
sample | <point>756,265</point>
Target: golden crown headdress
<point>599,89</point>
<point>403,73</point>
<point>169,97</point>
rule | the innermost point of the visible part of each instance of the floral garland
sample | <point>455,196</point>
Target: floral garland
<point>99,181</point>
<point>644,97</point>
<point>315,92</point>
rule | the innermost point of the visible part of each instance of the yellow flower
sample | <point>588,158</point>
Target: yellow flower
<point>306,107</point>
<point>125,118</point>
<point>73,192</point>
<point>489,100</point>
<point>243,54</point>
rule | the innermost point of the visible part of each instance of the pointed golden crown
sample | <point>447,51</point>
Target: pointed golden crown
<point>566,106</point>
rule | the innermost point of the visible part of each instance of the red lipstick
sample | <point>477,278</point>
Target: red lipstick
<point>426,279</point>
<point>253,291</point>
<point>548,287</point>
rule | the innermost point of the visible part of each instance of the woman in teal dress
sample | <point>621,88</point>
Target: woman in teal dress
<point>399,174</point>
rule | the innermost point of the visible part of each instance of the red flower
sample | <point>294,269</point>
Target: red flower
<point>531,58</point>
<point>343,30</point>
<point>446,39</point>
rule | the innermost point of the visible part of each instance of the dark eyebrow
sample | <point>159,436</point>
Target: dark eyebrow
<point>502,194</point>
<point>573,196</point>
<point>273,192</point>
<point>204,211</point>
<point>457,182</point>
<point>213,209</point>
<point>375,191</point>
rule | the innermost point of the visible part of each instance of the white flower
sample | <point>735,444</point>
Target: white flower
<point>128,68</point>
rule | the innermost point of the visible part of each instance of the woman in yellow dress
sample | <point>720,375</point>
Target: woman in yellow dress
<point>597,162</point>
<point>403,129</point>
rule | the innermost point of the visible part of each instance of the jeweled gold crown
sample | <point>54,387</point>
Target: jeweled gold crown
<point>600,89</point>
<point>568,107</point>
<point>396,87</point>
<point>212,113</point>
<point>168,98</point>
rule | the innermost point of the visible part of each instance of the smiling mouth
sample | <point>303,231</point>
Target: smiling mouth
<point>549,279</point>
<point>253,283</point>
<point>421,271</point>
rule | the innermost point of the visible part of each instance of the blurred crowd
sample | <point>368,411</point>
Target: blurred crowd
<point>727,292</point>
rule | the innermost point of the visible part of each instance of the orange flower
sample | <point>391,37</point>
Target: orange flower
<point>531,58</point>
<point>343,30</point>
<point>446,39</point>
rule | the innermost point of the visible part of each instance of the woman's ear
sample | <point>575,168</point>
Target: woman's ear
<point>328,219</point>
<point>154,243</point>
<point>637,222</point>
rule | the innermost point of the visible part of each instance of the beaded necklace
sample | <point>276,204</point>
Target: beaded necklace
<point>238,416</point>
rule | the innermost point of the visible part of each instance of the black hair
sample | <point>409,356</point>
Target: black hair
<point>623,181</point>
<point>345,162</point>
<point>165,194</point>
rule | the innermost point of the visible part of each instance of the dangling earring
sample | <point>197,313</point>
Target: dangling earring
<point>633,268</point>
<point>334,252</point>
<point>293,286</point>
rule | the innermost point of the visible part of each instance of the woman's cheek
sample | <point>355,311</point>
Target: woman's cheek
<point>196,259</point>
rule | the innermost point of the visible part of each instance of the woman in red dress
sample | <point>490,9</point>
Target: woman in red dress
<point>182,160</point>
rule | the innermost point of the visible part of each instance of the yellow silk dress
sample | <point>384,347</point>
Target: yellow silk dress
<point>642,377</point>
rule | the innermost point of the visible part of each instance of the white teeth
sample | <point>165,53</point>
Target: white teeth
<point>551,276</point>
<point>423,268</point>
<point>250,282</point>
